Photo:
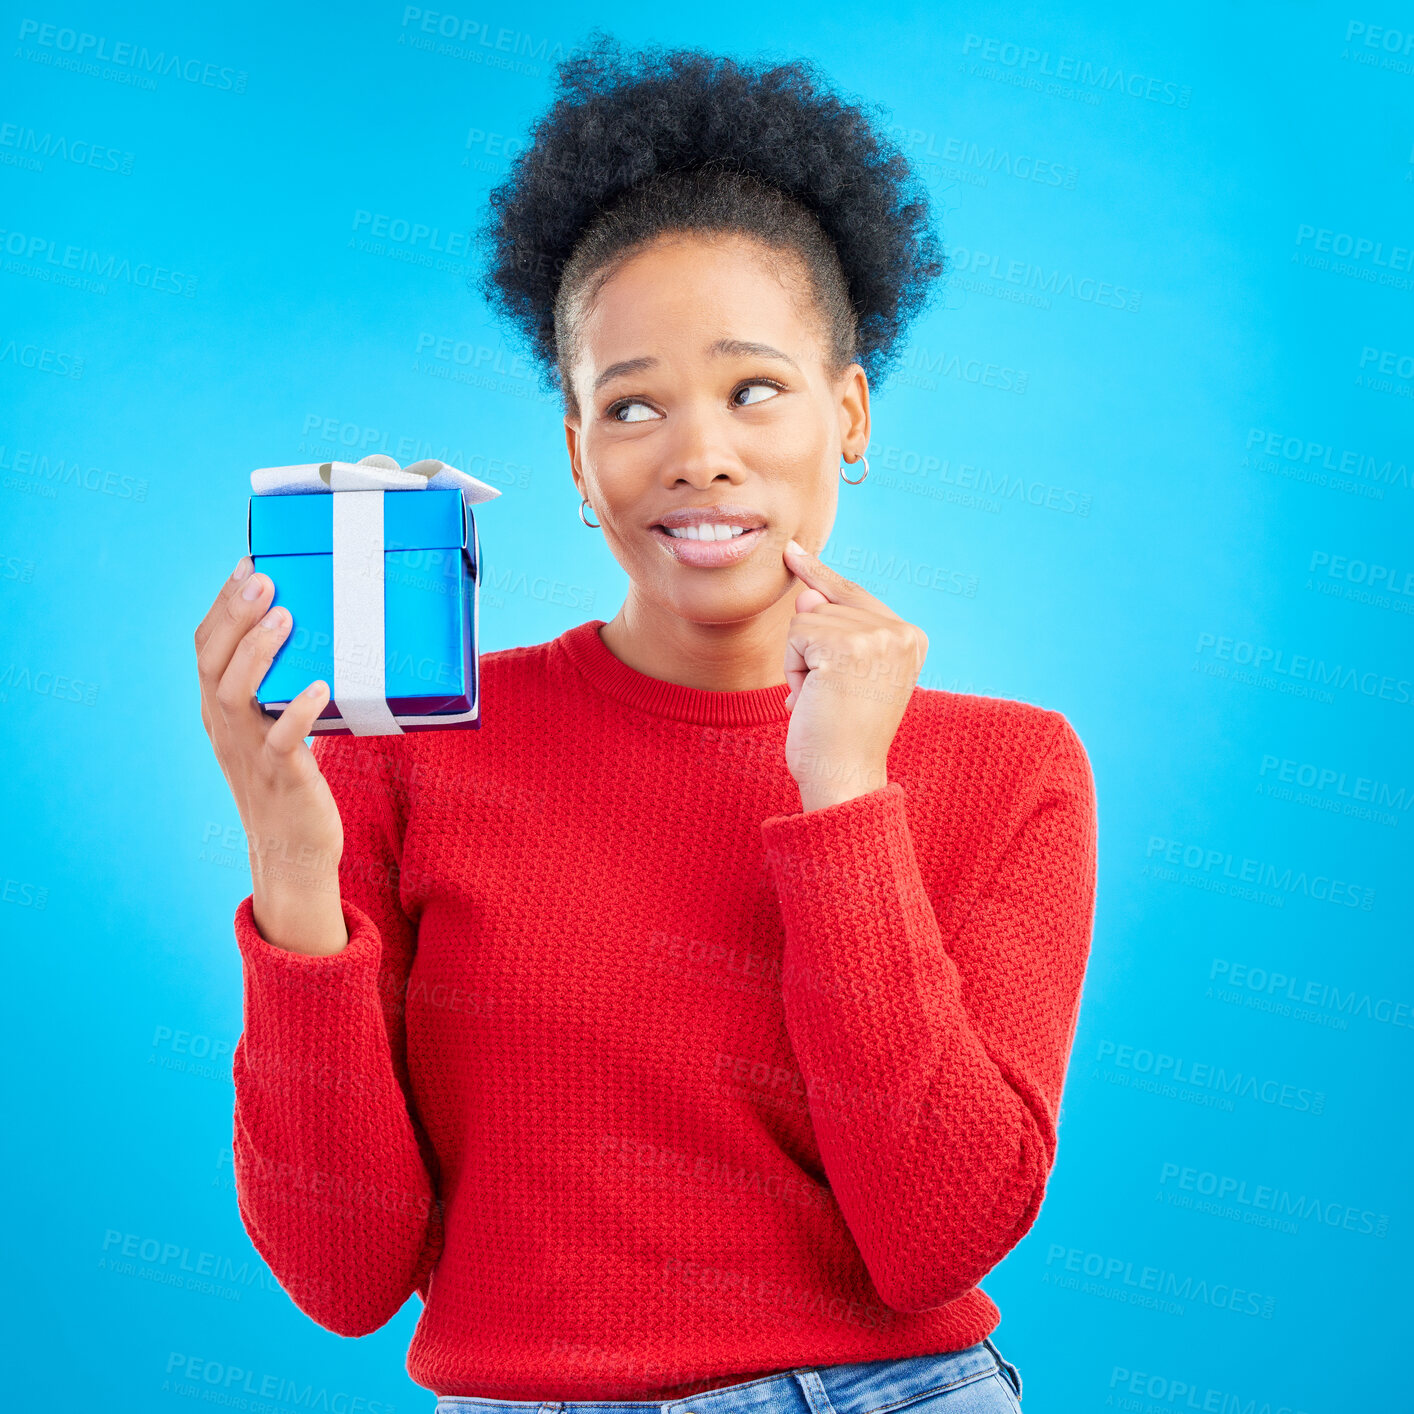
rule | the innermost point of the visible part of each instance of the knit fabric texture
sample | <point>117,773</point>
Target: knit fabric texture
<point>643,1079</point>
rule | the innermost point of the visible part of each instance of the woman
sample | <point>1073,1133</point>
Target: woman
<point>694,1033</point>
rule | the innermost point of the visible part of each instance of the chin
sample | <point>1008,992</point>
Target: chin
<point>719,598</point>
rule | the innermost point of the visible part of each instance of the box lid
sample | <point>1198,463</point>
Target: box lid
<point>304,524</point>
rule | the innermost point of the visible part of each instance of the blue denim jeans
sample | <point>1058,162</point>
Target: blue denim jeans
<point>978,1380</point>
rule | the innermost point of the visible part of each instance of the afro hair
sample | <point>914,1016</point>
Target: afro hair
<point>653,142</point>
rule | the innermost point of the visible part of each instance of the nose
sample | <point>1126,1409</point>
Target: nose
<point>700,451</point>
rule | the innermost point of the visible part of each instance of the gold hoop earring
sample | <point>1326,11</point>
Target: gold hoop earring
<point>846,479</point>
<point>582,505</point>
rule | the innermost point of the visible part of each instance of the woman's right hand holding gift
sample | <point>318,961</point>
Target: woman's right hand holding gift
<point>291,821</point>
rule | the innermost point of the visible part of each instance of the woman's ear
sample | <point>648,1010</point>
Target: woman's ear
<point>572,445</point>
<point>853,391</point>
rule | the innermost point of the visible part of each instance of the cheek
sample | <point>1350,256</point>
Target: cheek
<point>793,453</point>
<point>817,516</point>
<point>616,474</point>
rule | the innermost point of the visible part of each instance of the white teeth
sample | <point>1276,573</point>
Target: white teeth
<point>708,532</point>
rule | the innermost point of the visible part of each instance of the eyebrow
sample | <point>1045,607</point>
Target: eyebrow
<point>733,348</point>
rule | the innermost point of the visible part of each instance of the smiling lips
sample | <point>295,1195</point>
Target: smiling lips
<point>708,536</point>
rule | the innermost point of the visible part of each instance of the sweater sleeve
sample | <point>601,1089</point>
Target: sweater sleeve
<point>932,1017</point>
<point>335,1176</point>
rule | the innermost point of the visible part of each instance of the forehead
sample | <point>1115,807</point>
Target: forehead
<point>683,292</point>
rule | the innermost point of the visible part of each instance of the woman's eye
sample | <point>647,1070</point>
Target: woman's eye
<point>623,411</point>
<point>769,388</point>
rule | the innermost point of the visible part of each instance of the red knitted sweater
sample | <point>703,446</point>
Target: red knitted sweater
<point>643,1079</point>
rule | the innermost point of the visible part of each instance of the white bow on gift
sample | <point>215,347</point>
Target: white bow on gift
<point>359,688</point>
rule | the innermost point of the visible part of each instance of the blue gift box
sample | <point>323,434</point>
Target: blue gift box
<point>431,577</point>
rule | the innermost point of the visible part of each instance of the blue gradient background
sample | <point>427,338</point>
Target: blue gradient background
<point>122,854</point>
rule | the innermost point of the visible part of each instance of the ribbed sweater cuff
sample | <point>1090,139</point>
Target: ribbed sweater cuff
<point>360,955</point>
<point>856,842</point>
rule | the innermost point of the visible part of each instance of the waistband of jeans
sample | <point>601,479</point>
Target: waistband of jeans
<point>855,1389</point>
<point>826,1389</point>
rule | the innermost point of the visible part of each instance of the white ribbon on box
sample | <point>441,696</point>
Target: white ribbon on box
<point>359,686</point>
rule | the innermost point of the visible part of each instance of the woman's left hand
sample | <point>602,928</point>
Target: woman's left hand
<point>851,663</point>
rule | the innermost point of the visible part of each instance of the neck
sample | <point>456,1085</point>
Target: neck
<point>716,657</point>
